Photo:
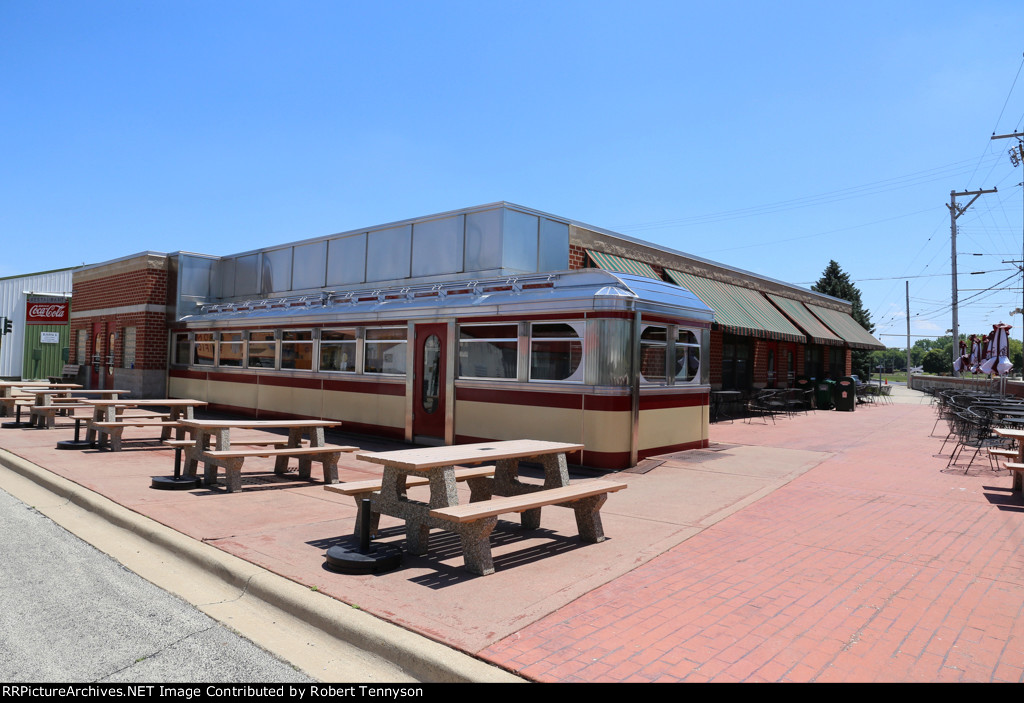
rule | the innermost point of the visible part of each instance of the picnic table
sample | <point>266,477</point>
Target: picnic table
<point>50,401</point>
<point>14,392</point>
<point>109,422</point>
<point>474,521</point>
<point>211,444</point>
<point>1016,457</point>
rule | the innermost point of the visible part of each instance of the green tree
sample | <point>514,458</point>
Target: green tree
<point>936,362</point>
<point>835,282</point>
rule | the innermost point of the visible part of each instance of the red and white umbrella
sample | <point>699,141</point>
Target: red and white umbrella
<point>962,362</point>
<point>977,352</point>
<point>998,361</point>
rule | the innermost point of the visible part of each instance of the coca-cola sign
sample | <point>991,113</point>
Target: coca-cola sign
<point>46,311</point>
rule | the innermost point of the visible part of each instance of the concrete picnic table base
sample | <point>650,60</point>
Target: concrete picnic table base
<point>475,536</point>
<point>220,439</point>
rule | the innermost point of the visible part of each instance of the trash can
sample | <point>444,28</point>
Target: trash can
<point>845,394</point>
<point>806,391</point>
<point>823,394</point>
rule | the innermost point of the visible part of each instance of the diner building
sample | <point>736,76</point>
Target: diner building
<point>492,322</point>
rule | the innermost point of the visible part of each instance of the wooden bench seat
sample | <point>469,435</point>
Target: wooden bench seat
<point>232,459</point>
<point>474,522</point>
<point>1018,475</point>
<point>528,501</point>
<point>1009,453</point>
<point>478,489</point>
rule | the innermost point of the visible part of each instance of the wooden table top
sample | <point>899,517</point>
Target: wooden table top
<point>74,392</point>
<point>1009,432</point>
<point>37,384</point>
<point>256,424</point>
<point>432,457</point>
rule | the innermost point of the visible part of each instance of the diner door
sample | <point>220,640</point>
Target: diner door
<point>428,396</point>
<point>96,371</point>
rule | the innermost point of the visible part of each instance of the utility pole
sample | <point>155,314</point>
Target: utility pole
<point>908,333</point>
<point>954,212</point>
<point>1016,156</point>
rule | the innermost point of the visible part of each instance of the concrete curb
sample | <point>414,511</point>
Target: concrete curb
<point>422,658</point>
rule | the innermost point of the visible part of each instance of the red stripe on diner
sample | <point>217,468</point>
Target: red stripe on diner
<point>519,397</point>
<point>372,387</point>
<point>670,448</point>
<point>682,400</point>
<point>290,381</point>
<point>185,373</point>
<point>608,403</point>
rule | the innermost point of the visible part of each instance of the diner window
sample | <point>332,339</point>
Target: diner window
<point>181,349</point>
<point>204,349</point>
<point>653,357</point>
<point>128,348</point>
<point>488,351</point>
<point>556,351</point>
<point>297,350</point>
<point>232,349</point>
<point>736,365</point>
<point>687,356</point>
<point>338,350</point>
<point>837,362</point>
<point>262,350</point>
<point>384,350</point>
<point>812,362</point>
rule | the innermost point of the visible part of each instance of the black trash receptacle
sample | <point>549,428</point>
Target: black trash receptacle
<point>823,394</point>
<point>845,394</point>
<point>806,389</point>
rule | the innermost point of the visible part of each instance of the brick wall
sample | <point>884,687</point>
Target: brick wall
<point>577,257</point>
<point>716,359</point>
<point>760,363</point>
<point>116,292</point>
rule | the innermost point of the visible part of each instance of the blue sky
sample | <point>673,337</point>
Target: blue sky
<point>769,136</point>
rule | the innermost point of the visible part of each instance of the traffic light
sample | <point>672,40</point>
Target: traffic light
<point>7,325</point>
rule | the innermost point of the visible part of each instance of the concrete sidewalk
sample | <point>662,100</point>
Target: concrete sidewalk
<point>829,546</point>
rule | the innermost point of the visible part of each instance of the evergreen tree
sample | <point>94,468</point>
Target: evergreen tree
<point>835,282</point>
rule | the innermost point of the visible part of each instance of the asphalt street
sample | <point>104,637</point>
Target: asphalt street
<point>69,613</point>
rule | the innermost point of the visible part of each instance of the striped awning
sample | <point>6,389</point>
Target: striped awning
<point>846,327</point>
<point>805,320</point>
<point>739,310</point>
<point>610,262</point>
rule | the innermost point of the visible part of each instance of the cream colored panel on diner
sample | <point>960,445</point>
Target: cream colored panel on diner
<point>366,408</point>
<point>306,402</point>
<point>500,421</point>
<point>194,388</point>
<point>236,395</point>
<point>668,426</point>
<point>606,431</point>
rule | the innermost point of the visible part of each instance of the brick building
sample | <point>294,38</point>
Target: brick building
<point>491,322</point>
<point>119,323</point>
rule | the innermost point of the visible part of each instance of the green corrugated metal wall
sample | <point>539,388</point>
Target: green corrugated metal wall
<point>51,359</point>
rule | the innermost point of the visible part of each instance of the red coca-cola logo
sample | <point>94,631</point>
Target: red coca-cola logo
<point>46,313</point>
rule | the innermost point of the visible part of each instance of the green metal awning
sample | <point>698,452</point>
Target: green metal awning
<point>805,320</point>
<point>739,310</point>
<point>847,328</point>
<point>610,262</point>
